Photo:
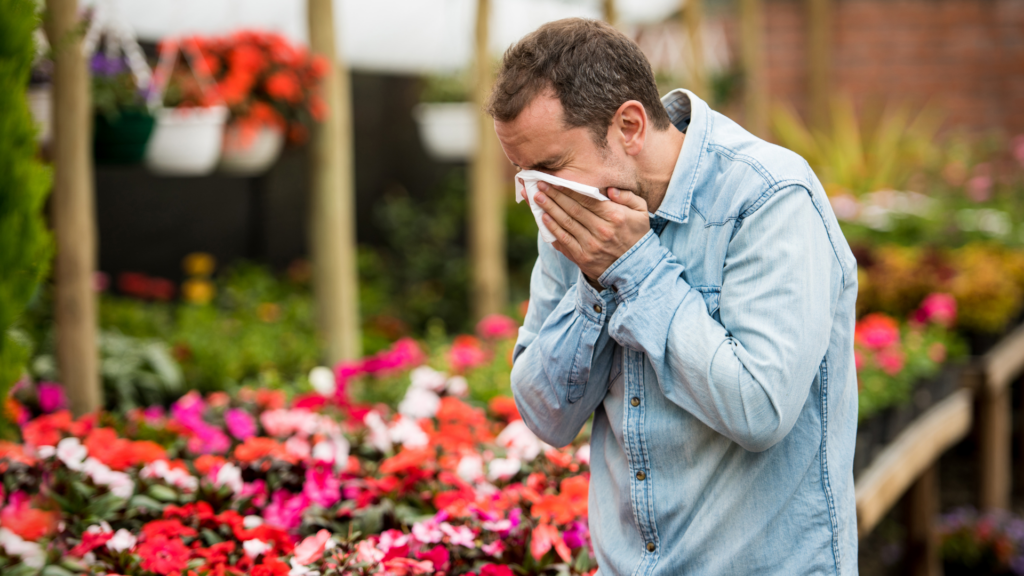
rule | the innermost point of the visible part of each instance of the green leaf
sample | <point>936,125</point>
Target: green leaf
<point>143,501</point>
<point>55,570</point>
<point>163,493</point>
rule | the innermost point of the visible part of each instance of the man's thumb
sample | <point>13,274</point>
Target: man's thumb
<point>627,198</point>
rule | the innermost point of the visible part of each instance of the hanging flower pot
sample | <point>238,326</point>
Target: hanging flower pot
<point>123,139</point>
<point>448,130</point>
<point>250,151</point>
<point>186,141</point>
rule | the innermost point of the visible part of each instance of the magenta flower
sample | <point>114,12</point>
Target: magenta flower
<point>51,397</point>
<point>207,439</point>
<point>497,327</point>
<point>285,511</point>
<point>576,535</point>
<point>322,486</point>
<point>240,424</point>
<point>938,308</point>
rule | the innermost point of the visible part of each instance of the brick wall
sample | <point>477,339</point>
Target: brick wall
<point>966,56</point>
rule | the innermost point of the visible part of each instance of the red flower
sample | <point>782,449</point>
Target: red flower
<point>167,529</point>
<point>495,570</point>
<point>163,555</point>
<point>46,430</point>
<point>284,85</point>
<point>29,523</point>
<point>877,331</point>
<point>504,408</point>
<point>270,567</point>
<point>438,555</point>
<point>90,541</point>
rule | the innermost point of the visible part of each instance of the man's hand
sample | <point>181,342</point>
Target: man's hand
<point>591,233</point>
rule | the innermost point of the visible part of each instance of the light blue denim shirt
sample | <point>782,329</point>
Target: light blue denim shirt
<point>718,365</point>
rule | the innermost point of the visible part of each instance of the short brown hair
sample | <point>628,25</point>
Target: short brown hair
<point>592,68</point>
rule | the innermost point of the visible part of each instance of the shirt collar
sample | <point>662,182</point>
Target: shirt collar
<point>690,115</point>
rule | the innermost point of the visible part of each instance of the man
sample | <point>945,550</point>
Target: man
<point>704,316</point>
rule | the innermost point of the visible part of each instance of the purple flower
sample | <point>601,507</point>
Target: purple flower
<point>103,66</point>
<point>240,424</point>
<point>51,397</point>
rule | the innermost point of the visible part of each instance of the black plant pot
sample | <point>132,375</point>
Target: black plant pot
<point>122,140</point>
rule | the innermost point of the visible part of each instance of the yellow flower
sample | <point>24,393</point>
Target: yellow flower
<point>198,291</point>
<point>199,264</point>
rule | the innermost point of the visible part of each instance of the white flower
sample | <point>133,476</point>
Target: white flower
<point>470,468</point>
<point>426,378</point>
<point>71,452</point>
<point>322,380</point>
<point>583,454</point>
<point>121,485</point>
<point>254,548</point>
<point>408,433</point>
<point>502,468</point>
<point>379,436</point>
<point>45,452</point>
<point>457,386</point>
<point>419,403</point>
<point>231,476</point>
<point>173,476</point>
<point>520,441</point>
<point>122,540</point>
<point>300,570</point>
<point>250,522</point>
<point>31,553</point>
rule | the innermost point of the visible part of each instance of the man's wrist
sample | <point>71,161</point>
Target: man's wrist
<point>597,285</point>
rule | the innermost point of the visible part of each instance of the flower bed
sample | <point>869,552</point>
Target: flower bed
<point>251,483</point>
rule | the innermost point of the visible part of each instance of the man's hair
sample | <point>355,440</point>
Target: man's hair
<point>591,67</point>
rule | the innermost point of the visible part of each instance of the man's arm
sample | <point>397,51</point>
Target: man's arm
<point>563,355</point>
<point>748,377</point>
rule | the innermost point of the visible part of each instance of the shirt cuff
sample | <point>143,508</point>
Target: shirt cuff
<point>626,274</point>
<point>593,305</point>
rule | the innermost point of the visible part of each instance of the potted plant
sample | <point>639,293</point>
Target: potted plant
<point>272,89</point>
<point>123,124</point>
<point>187,140</point>
<point>447,122</point>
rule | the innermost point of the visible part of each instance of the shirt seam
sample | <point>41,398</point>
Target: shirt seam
<point>825,481</point>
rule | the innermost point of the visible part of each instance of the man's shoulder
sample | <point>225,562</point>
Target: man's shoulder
<point>740,172</point>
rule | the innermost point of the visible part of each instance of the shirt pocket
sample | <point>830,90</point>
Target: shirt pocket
<point>712,295</point>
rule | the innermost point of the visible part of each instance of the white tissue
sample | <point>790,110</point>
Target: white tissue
<point>527,179</point>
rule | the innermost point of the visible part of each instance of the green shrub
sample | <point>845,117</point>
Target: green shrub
<point>25,245</point>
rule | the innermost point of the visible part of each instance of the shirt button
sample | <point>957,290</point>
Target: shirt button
<point>597,308</point>
<point>650,546</point>
<point>640,475</point>
<point>635,401</point>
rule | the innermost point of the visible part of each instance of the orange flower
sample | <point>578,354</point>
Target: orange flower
<point>29,523</point>
<point>504,408</point>
<point>46,430</point>
<point>257,447</point>
<point>406,459</point>
<point>207,462</point>
<point>568,505</point>
<point>558,458</point>
<point>145,451</point>
<point>284,85</point>
<point>104,445</point>
<point>14,453</point>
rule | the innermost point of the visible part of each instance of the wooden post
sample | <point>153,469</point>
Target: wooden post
<point>73,207</point>
<point>487,191</point>
<point>692,13</point>
<point>752,47</point>
<point>922,538</point>
<point>611,16</point>
<point>994,421</point>
<point>332,206</point>
<point>819,59</point>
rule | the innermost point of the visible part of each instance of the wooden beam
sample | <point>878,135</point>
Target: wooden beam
<point>819,60</point>
<point>1005,362</point>
<point>995,414</point>
<point>610,14</point>
<point>922,537</point>
<point>73,206</point>
<point>332,206</point>
<point>911,454</point>
<point>692,13</point>
<point>487,190</point>
<point>755,85</point>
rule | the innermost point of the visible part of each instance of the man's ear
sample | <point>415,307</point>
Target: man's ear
<point>629,127</point>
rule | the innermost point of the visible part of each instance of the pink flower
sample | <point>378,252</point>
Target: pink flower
<point>891,360</point>
<point>407,566</point>
<point>51,397</point>
<point>405,353</point>
<point>576,535</point>
<point>207,439</point>
<point>938,308</point>
<point>285,511</point>
<point>494,549</point>
<point>283,422</point>
<point>877,331</point>
<point>979,188</point>
<point>497,327</point>
<point>312,548</point>
<point>496,570</point>
<point>239,423</point>
<point>466,353</point>
<point>1017,144</point>
<point>459,535</point>
<point>367,553</point>
<point>322,486</point>
<point>427,532</point>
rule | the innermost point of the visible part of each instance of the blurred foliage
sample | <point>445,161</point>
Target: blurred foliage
<point>446,88</point>
<point>421,275</point>
<point>986,279</point>
<point>859,155</point>
<point>25,244</point>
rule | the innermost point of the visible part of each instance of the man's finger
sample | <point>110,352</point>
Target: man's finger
<point>585,201</point>
<point>571,218</point>
<point>627,199</point>
<point>564,242</point>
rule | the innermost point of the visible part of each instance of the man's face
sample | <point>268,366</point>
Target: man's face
<point>538,139</point>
